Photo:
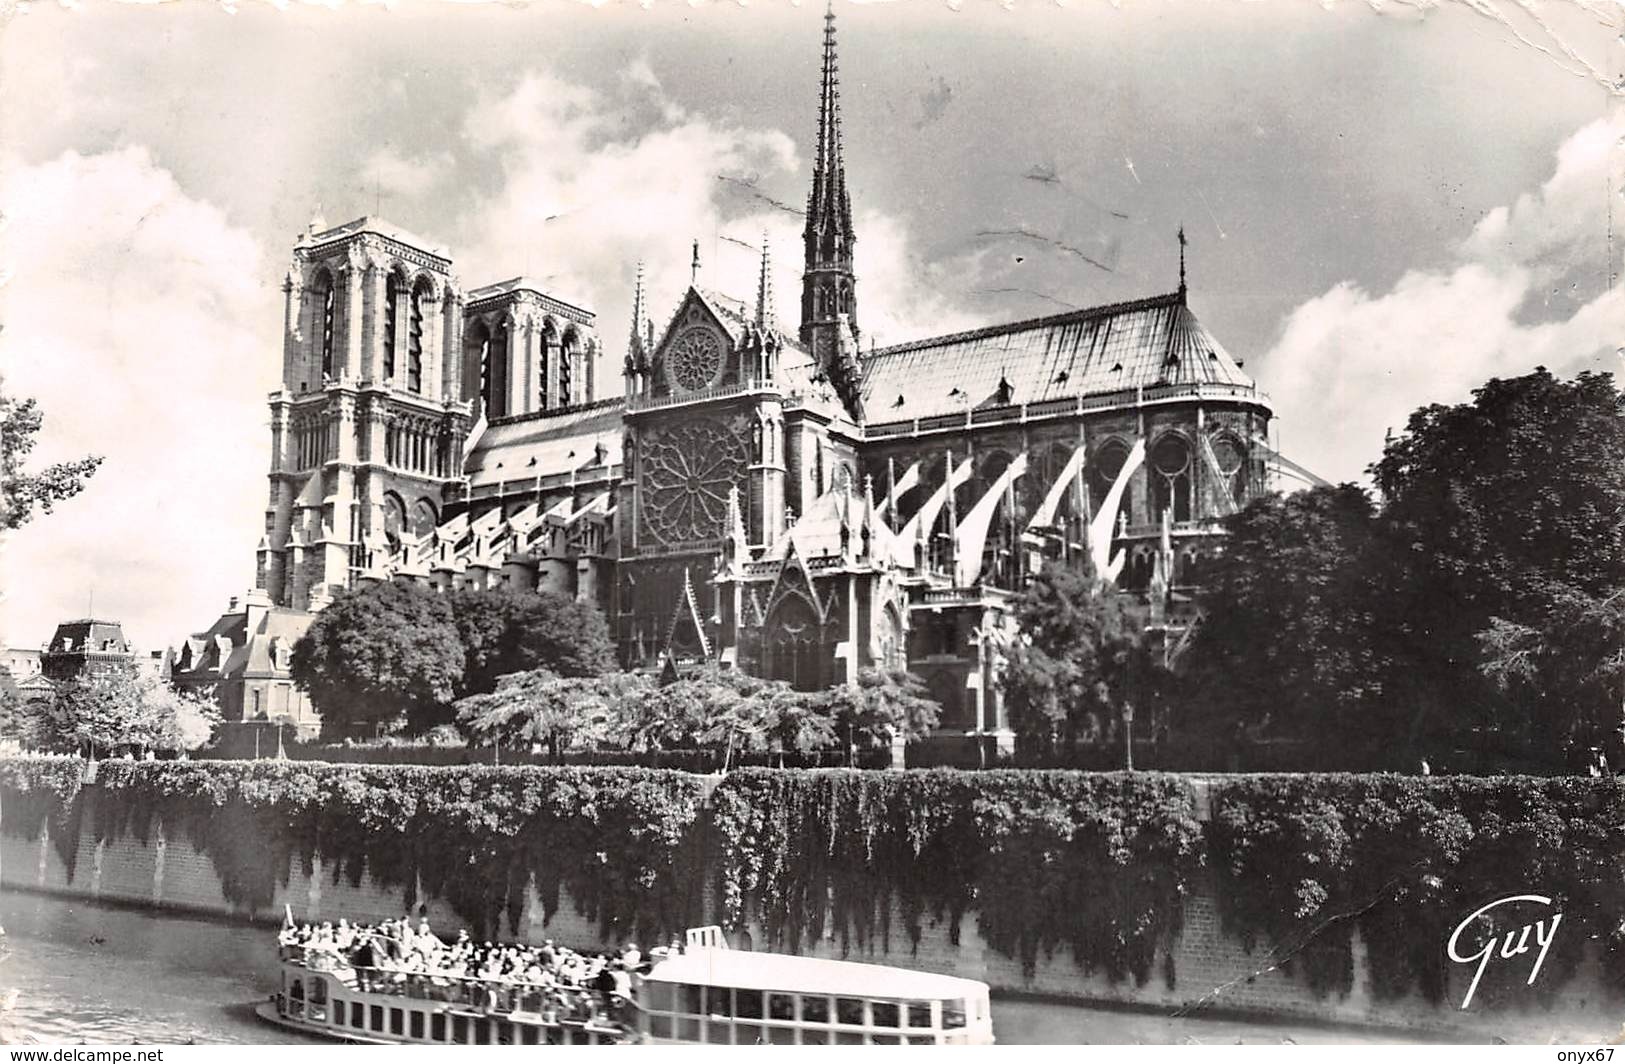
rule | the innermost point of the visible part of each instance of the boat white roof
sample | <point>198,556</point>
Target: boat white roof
<point>748,970</point>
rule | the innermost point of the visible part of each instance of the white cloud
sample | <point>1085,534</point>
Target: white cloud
<point>1360,362</point>
<point>586,194</point>
<point>139,318</point>
<point>396,175</point>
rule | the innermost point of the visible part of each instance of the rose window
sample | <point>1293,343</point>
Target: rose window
<point>695,360</point>
<point>688,473</point>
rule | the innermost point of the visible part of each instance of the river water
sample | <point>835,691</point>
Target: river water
<point>91,973</point>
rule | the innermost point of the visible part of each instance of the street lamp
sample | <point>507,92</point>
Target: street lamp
<point>1128,734</point>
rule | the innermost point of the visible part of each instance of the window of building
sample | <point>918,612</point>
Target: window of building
<point>392,302</point>
<point>1171,484</point>
<point>1103,470</point>
<point>567,357</point>
<point>325,298</point>
<point>494,374</point>
<point>414,339</point>
<point>1231,459</point>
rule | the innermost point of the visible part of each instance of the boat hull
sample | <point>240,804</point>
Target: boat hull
<point>267,1013</point>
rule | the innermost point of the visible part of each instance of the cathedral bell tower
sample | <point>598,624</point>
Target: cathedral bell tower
<point>368,428</point>
<point>829,307</point>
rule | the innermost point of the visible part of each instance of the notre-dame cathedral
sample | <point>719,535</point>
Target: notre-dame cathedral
<point>768,496</point>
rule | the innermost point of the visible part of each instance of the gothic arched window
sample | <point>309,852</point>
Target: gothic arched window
<point>392,314</point>
<point>394,518</point>
<point>494,373</point>
<point>325,300</point>
<point>567,357</point>
<point>1171,477</point>
<point>424,518</point>
<point>1231,459</point>
<point>476,340</point>
<point>421,295</point>
<point>550,343</point>
<point>1103,470</point>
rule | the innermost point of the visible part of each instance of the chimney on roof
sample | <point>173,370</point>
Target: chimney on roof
<point>256,605</point>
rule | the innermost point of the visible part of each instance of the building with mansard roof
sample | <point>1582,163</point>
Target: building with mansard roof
<point>761,493</point>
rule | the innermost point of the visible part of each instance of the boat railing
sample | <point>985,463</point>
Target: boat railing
<point>491,995</point>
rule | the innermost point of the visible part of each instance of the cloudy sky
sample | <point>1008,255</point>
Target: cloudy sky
<point>1386,204</point>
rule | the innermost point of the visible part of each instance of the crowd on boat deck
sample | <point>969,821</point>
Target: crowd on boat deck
<point>394,957</point>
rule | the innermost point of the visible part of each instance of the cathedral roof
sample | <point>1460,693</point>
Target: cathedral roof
<point>799,377</point>
<point>378,227</point>
<point>533,286</point>
<point>1119,347</point>
<point>536,445</point>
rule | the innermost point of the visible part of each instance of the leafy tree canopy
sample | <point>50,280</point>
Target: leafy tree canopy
<point>505,631</point>
<point>1507,516</point>
<point>377,652</point>
<point>560,712</point>
<point>726,709</point>
<point>1081,656</point>
<point>21,492</point>
<point>1292,637</point>
<point>883,705</point>
<point>107,710</point>
<point>1477,608</point>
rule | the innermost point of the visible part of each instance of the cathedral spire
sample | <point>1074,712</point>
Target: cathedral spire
<point>764,290</point>
<point>637,347</point>
<point>1182,243</point>
<point>635,344</point>
<point>829,170</point>
<point>829,308</point>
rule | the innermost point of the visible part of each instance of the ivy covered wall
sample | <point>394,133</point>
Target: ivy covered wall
<point>1339,887</point>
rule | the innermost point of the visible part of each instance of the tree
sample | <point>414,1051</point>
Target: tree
<point>1568,666</point>
<point>1292,642</point>
<point>505,631</point>
<point>106,711</point>
<point>1505,511</point>
<point>723,709</point>
<point>184,720</point>
<point>21,492</point>
<point>377,653</point>
<point>884,704</point>
<point>562,713</point>
<point>804,724</point>
<point>1079,658</point>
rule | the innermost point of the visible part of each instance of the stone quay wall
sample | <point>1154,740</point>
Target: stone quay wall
<point>1213,972</point>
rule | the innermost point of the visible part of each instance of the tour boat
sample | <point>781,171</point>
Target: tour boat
<point>706,994</point>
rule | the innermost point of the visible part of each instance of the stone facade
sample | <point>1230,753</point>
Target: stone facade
<point>772,498</point>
